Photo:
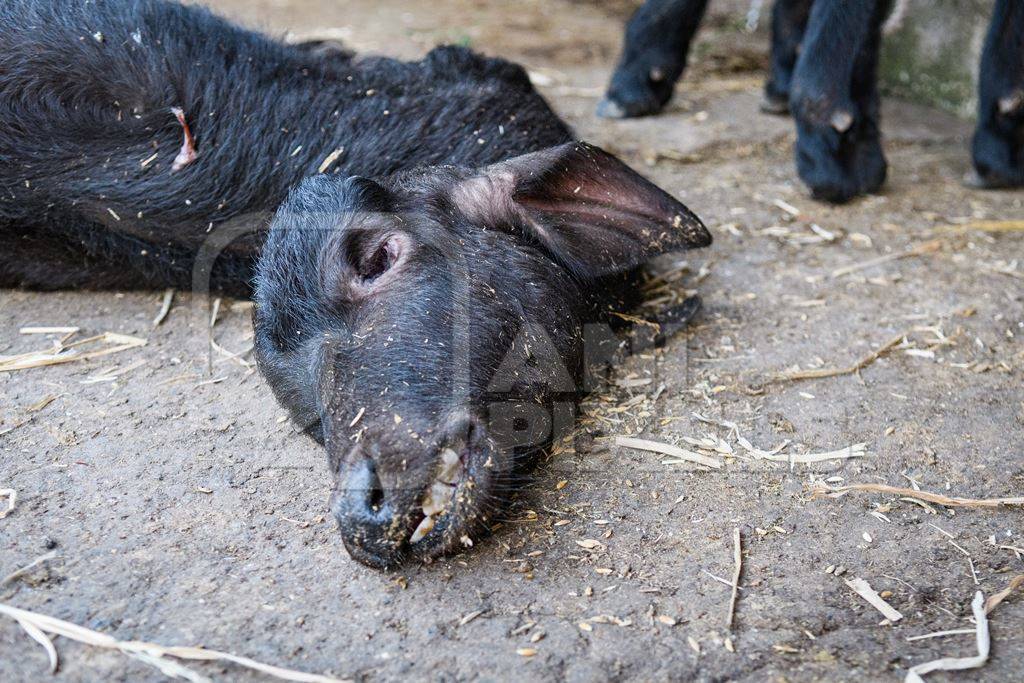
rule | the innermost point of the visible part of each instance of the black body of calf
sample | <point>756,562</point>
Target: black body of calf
<point>824,68</point>
<point>439,246</point>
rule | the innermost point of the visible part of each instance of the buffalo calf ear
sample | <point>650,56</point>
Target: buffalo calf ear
<point>591,212</point>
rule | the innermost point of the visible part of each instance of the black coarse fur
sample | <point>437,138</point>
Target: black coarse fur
<point>86,91</point>
<point>824,69</point>
<point>439,248</point>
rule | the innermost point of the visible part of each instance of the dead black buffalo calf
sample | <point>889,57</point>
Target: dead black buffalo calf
<point>439,245</point>
<point>824,68</point>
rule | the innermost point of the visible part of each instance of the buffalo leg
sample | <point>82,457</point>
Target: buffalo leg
<point>653,57</point>
<point>834,99</point>
<point>999,139</point>
<point>789,21</point>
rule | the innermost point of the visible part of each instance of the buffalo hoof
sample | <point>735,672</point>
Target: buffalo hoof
<point>977,181</point>
<point>609,108</point>
<point>773,104</point>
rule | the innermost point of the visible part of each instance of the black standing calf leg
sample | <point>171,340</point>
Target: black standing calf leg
<point>653,57</point>
<point>835,101</point>
<point>999,139</point>
<point>789,21</point>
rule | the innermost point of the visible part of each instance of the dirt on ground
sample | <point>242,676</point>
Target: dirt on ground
<point>179,506</point>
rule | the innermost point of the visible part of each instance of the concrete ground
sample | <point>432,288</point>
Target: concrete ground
<point>181,508</point>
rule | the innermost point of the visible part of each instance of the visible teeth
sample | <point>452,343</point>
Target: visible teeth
<point>450,466</point>
<point>440,493</point>
<point>423,529</point>
<point>437,499</point>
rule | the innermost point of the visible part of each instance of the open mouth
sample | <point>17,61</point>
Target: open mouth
<point>440,495</point>
<point>433,509</point>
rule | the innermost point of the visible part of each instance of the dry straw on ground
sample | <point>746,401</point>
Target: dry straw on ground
<point>165,307</point>
<point>737,553</point>
<point>18,573</point>
<point>864,590</point>
<point>820,373</point>
<point>41,627</point>
<point>937,498</point>
<point>929,247</point>
<point>857,450</point>
<point>960,663</point>
<point>996,598</point>
<point>986,226</point>
<point>680,454</point>
<point>86,349</point>
<point>12,499</point>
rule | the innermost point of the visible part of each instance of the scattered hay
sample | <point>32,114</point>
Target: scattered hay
<point>737,555</point>
<point>680,454</point>
<point>330,160</point>
<point>38,626</point>
<point>112,374</point>
<point>787,207</point>
<point>215,312</point>
<point>177,379</point>
<point>857,450</point>
<point>48,330</point>
<point>1004,268</point>
<point>970,560</point>
<point>985,226</point>
<point>959,664</point>
<point>821,489</point>
<point>41,403</point>
<point>358,416</point>
<point>994,600</point>
<point>116,343</point>
<point>941,634</point>
<point>929,247</point>
<point>12,498</point>
<point>1018,552</point>
<point>232,356</point>
<point>719,579</point>
<point>836,372</point>
<point>165,307</point>
<point>864,590</point>
<point>18,573</point>
<point>636,320</point>
<point>471,616</point>
<point>16,425</point>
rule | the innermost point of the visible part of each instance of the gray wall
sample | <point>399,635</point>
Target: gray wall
<point>933,54</point>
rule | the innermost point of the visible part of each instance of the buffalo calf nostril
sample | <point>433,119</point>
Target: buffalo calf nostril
<point>365,493</point>
<point>371,486</point>
<point>376,498</point>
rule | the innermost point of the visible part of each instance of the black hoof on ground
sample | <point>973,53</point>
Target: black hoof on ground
<point>610,109</point>
<point>976,181</point>
<point>774,105</point>
<point>834,196</point>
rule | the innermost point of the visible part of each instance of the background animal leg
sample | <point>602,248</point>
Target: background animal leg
<point>654,55</point>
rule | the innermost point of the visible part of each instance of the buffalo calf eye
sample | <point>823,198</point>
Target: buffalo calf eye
<point>377,260</point>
